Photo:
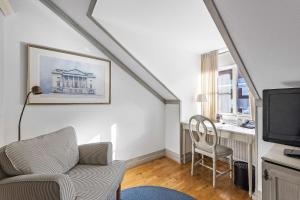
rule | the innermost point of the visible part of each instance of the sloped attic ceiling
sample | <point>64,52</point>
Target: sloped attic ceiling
<point>180,24</point>
<point>266,35</point>
<point>168,37</point>
<point>78,14</point>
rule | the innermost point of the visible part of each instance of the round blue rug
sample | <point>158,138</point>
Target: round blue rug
<point>153,193</point>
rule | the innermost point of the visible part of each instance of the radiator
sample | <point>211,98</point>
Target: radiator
<point>240,150</point>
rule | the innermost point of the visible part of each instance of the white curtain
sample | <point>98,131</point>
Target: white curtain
<point>209,64</point>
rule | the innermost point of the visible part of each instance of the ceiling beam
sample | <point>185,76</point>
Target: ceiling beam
<point>212,8</point>
<point>6,7</point>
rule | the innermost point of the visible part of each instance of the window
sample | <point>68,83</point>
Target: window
<point>225,94</point>
<point>243,104</point>
<point>233,92</point>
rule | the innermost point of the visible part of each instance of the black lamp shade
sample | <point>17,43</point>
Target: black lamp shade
<point>36,90</point>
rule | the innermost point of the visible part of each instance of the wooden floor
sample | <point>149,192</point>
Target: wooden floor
<point>167,173</point>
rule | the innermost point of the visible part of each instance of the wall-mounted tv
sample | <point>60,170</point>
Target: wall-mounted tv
<point>281,116</point>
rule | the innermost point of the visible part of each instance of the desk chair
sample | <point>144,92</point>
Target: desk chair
<point>206,142</point>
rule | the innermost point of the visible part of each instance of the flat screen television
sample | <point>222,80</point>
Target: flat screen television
<point>281,116</point>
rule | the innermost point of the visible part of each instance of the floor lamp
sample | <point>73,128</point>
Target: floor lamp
<point>35,90</point>
<point>201,98</point>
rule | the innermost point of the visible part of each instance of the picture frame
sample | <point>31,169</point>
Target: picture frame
<point>67,77</point>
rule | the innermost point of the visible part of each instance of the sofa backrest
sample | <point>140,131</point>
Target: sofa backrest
<point>2,163</point>
<point>52,153</point>
<point>2,174</point>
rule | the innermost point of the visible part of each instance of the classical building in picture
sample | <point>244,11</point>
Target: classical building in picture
<point>73,82</point>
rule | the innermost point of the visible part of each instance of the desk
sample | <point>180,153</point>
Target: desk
<point>230,132</point>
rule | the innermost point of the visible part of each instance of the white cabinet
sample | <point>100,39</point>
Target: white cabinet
<point>280,182</point>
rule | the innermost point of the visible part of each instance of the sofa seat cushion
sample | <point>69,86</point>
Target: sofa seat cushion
<point>95,182</point>
<point>52,153</point>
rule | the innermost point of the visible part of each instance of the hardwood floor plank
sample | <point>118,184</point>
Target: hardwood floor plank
<point>167,173</point>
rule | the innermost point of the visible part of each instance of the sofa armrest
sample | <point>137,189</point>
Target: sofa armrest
<point>96,153</point>
<point>37,187</point>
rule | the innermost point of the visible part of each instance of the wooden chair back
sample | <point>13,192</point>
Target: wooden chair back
<point>203,133</point>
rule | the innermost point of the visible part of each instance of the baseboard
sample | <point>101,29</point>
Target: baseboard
<point>172,155</point>
<point>257,195</point>
<point>145,158</point>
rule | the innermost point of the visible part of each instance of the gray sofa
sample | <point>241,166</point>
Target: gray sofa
<point>54,167</point>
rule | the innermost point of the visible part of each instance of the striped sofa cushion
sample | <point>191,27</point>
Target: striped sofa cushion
<point>95,182</point>
<point>52,153</point>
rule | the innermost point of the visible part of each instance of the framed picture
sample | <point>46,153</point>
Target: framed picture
<point>68,77</point>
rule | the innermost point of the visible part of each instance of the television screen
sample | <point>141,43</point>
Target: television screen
<point>281,116</point>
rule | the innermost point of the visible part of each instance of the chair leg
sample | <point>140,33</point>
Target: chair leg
<point>230,165</point>
<point>193,160</point>
<point>202,159</point>
<point>118,194</point>
<point>214,171</point>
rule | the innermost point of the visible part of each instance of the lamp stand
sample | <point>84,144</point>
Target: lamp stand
<point>202,108</point>
<point>20,120</point>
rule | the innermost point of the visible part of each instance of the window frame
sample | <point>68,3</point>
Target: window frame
<point>234,112</point>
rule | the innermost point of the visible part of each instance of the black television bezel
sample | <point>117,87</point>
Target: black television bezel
<point>266,102</point>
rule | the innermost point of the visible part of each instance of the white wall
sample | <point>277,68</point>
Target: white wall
<point>262,146</point>
<point>177,68</point>
<point>1,77</point>
<point>134,121</point>
<point>172,128</point>
<point>225,59</point>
